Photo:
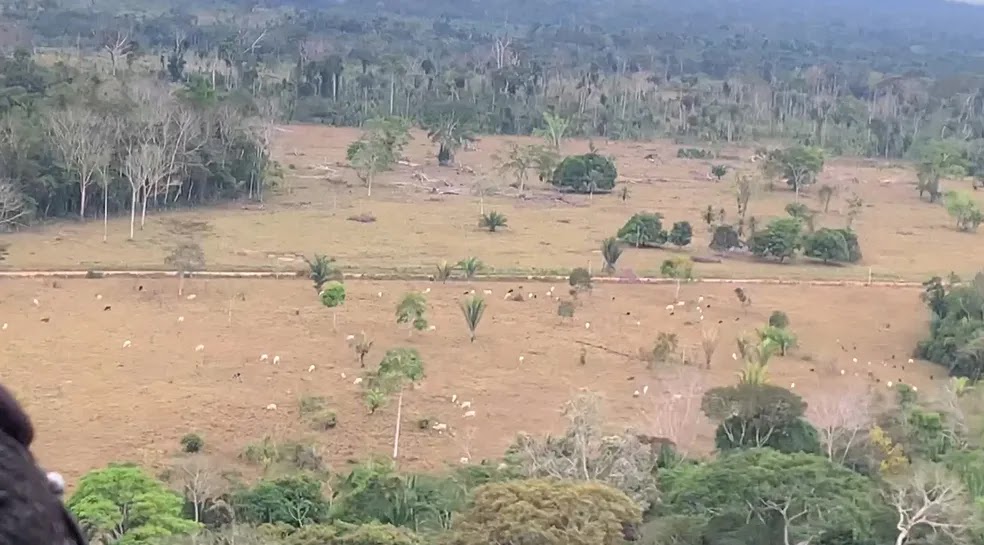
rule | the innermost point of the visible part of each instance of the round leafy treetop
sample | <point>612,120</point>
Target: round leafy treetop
<point>333,294</point>
<point>588,173</point>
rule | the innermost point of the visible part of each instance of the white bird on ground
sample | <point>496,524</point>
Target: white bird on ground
<point>191,297</point>
<point>463,460</point>
<point>635,393</point>
<point>181,319</point>
<point>669,307</point>
<point>439,427</point>
<point>469,414</point>
<point>792,385</point>
<point>681,303</point>
<point>912,360</point>
<point>276,360</point>
<point>36,303</point>
<point>99,297</point>
<point>343,375</point>
<point>587,325</point>
<point>126,344</point>
<point>466,404</point>
<point>358,380</point>
<point>645,389</point>
<point>271,407</point>
<point>855,360</point>
<point>311,369</point>
<point>380,294</point>
<point>432,328</point>
<point>842,371</point>
<point>428,290</point>
<point>521,358</point>
<point>349,337</point>
<point>889,384</point>
<point>487,292</point>
<point>264,357</point>
<point>199,348</point>
<point>454,398</point>
<point>5,326</point>
<point>734,356</point>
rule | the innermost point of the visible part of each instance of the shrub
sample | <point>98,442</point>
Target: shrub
<point>192,442</point>
<point>663,350</point>
<point>826,244</point>
<point>681,234</point>
<point>779,319</point>
<point>471,266</point>
<point>718,171</point>
<point>295,500</point>
<point>963,209</point>
<point>443,273</point>
<point>492,221</point>
<point>314,410</point>
<point>725,238</point>
<point>643,230</point>
<point>611,251</point>
<point>333,294</point>
<point>588,173</point>
<point>580,279</point>
<point>780,239</point>
<point>694,153</point>
<point>956,326</point>
<point>780,337</point>
<point>565,309</point>
<point>679,268</point>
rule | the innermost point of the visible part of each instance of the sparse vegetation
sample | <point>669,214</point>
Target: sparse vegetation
<point>471,266</point>
<point>192,443</point>
<point>321,270</point>
<point>473,309</point>
<point>443,272</point>
<point>411,310</point>
<point>492,221</point>
<point>611,251</point>
<point>964,209</point>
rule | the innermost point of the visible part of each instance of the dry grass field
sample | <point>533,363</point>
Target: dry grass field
<point>95,401</point>
<point>419,223</point>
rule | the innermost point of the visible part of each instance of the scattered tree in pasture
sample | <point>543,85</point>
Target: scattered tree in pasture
<point>321,269</point>
<point>378,149</point>
<point>708,343</point>
<point>803,213</point>
<point>743,297</point>
<point>411,310</point>
<point>681,234</point>
<point>123,501</point>
<point>854,207</point>
<point>798,166</point>
<point>718,171</point>
<point>187,256</point>
<point>450,134</point>
<point>200,483</point>
<point>643,230</point>
<point>399,367</point>
<point>580,279</point>
<point>333,296</point>
<point>585,453</point>
<point>828,245</point>
<point>939,159</point>
<point>611,251</point>
<point>931,500</point>
<point>964,209</point>
<point>560,512</point>
<point>362,344</point>
<point>842,419</point>
<point>678,268</point>
<point>85,145</point>
<point>824,194</point>
<point>492,221</point>
<point>778,319</point>
<point>555,126</point>
<point>517,164</point>
<point>708,215</point>
<point>664,350</point>
<point>443,271</point>
<point>588,173</point>
<point>744,191</point>
<point>192,443</point>
<point>374,398</point>
<point>780,239</point>
<point>781,337</point>
<point>545,161</point>
<point>472,309</point>
<point>471,266</point>
<point>294,500</point>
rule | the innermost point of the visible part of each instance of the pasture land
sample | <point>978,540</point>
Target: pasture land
<point>95,401</point>
<point>425,214</point>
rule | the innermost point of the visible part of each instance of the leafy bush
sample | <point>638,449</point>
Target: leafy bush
<point>678,267</point>
<point>333,294</point>
<point>681,234</point>
<point>828,245</point>
<point>588,173</point>
<point>725,238</point>
<point>779,319</point>
<point>759,415</point>
<point>781,337</point>
<point>643,230</point>
<point>295,500</point>
<point>694,153</point>
<point>192,442</point>
<point>611,251</point>
<point>580,279</point>
<point>964,209</point>
<point>780,239</point>
<point>565,309</point>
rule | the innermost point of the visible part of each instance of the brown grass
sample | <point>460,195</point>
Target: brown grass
<point>95,401</point>
<point>902,237</point>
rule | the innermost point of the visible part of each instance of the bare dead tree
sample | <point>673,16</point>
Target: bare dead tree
<point>842,418</point>
<point>783,509</point>
<point>81,139</point>
<point>200,483</point>
<point>117,44</point>
<point>584,453</point>
<point>709,343</point>
<point>933,501</point>
<point>675,413</point>
<point>13,207</point>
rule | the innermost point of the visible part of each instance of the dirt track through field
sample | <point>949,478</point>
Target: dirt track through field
<point>95,275</point>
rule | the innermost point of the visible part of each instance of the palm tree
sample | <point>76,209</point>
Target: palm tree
<point>492,221</point>
<point>399,366</point>
<point>517,163</point>
<point>449,135</point>
<point>610,252</point>
<point>554,131</point>
<point>473,308</point>
<point>321,269</point>
<point>471,266</point>
<point>444,270</point>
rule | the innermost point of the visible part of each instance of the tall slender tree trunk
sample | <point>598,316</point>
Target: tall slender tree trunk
<point>133,210</point>
<point>105,212</point>
<point>396,435</point>
<point>82,195</point>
